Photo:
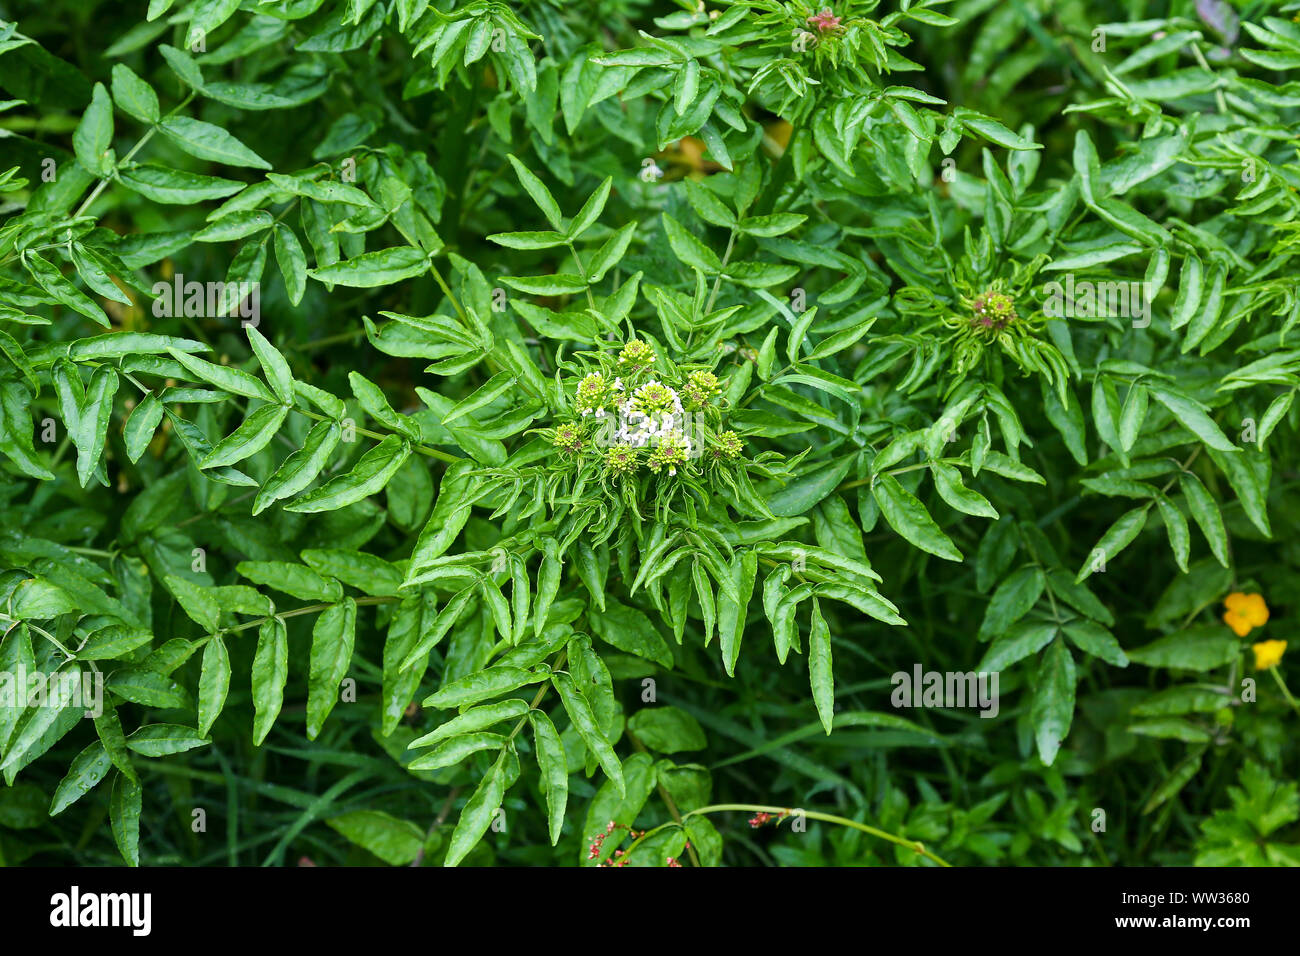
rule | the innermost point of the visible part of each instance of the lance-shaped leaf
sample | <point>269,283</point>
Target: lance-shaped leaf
<point>906,515</point>
<point>367,477</point>
<point>553,764</point>
<point>301,467</point>
<point>124,808</point>
<point>370,269</point>
<point>253,434</point>
<point>214,683</point>
<point>482,806</point>
<point>270,671</point>
<point>584,722</point>
<point>820,673</point>
<point>332,641</point>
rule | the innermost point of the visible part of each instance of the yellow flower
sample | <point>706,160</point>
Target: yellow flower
<point>1245,611</point>
<point>1268,654</point>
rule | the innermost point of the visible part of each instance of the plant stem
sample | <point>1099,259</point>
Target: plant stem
<point>825,818</point>
<point>1285,691</point>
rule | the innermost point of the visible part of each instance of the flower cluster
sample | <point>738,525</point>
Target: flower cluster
<point>596,395</point>
<point>729,446</point>
<point>568,438</point>
<point>637,412</point>
<point>636,355</point>
<point>993,311</point>
<point>700,389</point>
<point>759,819</point>
<point>593,851</point>
<point>653,414</point>
<point>672,450</point>
<point>825,21</point>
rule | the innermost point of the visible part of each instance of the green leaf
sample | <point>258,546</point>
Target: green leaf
<point>482,806</point>
<point>52,281</point>
<point>253,434</point>
<point>133,95</point>
<point>591,209</point>
<point>1016,643</point>
<point>198,603</point>
<point>141,425</point>
<point>1014,598</point>
<point>93,138</point>
<point>124,808</point>
<point>774,225</point>
<point>159,740</point>
<point>947,481</point>
<point>332,641</point>
<point>92,421</point>
<point>108,726</point>
<point>1117,537</point>
<point>367,477</point>
<point>1053,704</point>
<point>292,262</point>
<point>1191,416</point>
<point>629,630</point>
<point>480,685</point>
<point>174,187</point>
<point>147,688</point>
<point>300,468</point>
<point>297,580</point>
<point>906,515</point>
<point>733,607</point>
<point>485,394</point>
<point>270,672</point>
<point>820,673</point>
<point>668,730</point>
<point>1199,648</point>
<point>1095,640</point>
<point>88,768</point>
<point>689,249</point>
<point>553,764</point>
<point>1176,527</point>
<point>274,365</point>
<point>584,722</point>
<point>214,683</point>
<point>396,842</point>
<point>455,750</point>
<point>473,720</point>
<point>370,269</point>
<point>1205,512</point>
<point>227,379</point>
<point>207,141</point>
<point>540,195</point>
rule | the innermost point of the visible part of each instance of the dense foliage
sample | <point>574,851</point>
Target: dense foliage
<point>565,433</point>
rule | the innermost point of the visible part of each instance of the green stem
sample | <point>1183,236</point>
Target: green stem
<point>307,609</point>
<point>825,818</point>
<point>1285,692</point>
<point>717,283</point>
<point>538,697</point>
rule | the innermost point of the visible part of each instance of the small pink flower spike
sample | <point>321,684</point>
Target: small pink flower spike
<point>825,21</point>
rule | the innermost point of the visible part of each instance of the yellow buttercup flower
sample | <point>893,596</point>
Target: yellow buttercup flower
<point>1245,612</point>
<point>1268,654</point>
